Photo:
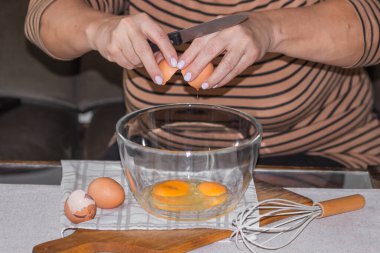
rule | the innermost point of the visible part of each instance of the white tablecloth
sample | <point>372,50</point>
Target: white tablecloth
<point>29,215</point>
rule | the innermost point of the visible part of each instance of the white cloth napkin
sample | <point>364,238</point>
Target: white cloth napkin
<point>78,175</point>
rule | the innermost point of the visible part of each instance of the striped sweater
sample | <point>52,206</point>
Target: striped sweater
<point>304,107</point>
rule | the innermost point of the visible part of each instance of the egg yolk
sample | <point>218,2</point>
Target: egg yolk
<point>179,195</point>
<point>171,188</point>
<point>212,189</point>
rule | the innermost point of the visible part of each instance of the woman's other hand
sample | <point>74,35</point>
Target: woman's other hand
<point>123,40</point>
<point>242,45</point>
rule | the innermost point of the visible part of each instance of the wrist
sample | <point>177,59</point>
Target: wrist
<point>94,26</point>
<point>268,28</point>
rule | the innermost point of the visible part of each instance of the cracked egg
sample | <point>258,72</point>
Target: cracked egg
<point>79,207</point>
<point>168,71</point>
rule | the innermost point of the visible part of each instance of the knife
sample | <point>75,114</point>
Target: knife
<point>189,34</point>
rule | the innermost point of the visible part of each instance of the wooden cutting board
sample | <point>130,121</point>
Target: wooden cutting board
<point>168,241</point>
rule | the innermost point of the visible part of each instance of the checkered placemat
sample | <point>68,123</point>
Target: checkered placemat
<point>78,174</point>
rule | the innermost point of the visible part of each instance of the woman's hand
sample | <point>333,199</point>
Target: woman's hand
<point>123,40</point>
<point>242,45</point>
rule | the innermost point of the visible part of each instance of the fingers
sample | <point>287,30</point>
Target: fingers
<point>192,51</point>
<point>145,28</point>
<point>158,56</point>
<point>124,41</point>
<point>242,47</point>
<point>129,53</point>
<point>145,53</point>
<point>156,34</point>
<point>136,48</point>
<point>200,54</point>
<point>243,63</point>
<point>120,50</point>
<point>229,66</point>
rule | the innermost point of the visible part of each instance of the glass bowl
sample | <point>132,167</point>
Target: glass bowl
<point>188,161</point>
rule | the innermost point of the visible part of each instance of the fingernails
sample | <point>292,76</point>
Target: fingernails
<point>187,77</point>
<point>181,64</point>
<point>204,86</point>
<point>173,62</point>
<point>215,86</point>
<point>158,80</point>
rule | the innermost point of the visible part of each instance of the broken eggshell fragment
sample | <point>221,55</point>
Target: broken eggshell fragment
<point>167,71</point>
<point>80,207</point>
<point>202,77</point>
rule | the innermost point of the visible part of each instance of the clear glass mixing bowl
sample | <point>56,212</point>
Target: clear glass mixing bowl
<point>168,151</point>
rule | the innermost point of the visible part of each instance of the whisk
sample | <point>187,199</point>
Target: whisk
<point>251,234</point>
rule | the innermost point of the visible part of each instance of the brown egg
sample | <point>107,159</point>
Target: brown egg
<point>202,77</point>
<point>106,192</point>
<point>79,207</point>
<point>168,71</point>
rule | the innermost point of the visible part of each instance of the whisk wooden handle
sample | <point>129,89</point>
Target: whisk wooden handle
<point>341,205</point>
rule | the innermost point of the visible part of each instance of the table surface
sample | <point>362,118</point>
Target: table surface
<point>30,212</point>
<point>30,216</point>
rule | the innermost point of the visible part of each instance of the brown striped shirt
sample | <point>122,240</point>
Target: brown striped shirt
<point>304,107</point>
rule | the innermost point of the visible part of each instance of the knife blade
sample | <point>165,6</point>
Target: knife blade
<point>189,34</point>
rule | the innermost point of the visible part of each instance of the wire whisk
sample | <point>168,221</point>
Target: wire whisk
<point>296,217</point>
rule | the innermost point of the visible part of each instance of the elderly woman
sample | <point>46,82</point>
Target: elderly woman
<point>296,65</point>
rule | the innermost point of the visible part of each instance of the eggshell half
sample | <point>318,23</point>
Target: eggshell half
<point>87,213</point>
<point>167,71</point>
<point>202,77</point>
<point>106,192</point>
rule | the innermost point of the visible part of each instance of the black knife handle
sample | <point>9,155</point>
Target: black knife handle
<point>174,37</point>
<point>153,46</point>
